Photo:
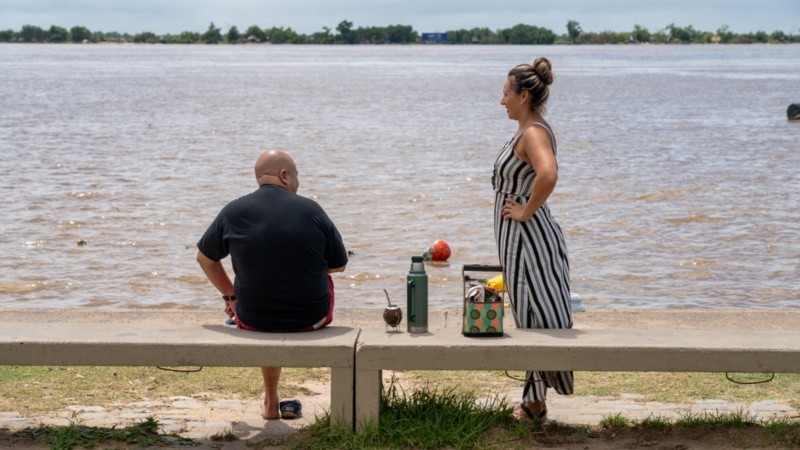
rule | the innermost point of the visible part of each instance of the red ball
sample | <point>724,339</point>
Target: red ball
<point>440,251</point>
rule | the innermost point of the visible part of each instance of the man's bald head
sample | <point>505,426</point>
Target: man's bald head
<point>276,167</point>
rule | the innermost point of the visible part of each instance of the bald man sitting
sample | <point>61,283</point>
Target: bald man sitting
<point>283,248</point>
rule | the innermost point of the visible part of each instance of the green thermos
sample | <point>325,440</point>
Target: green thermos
<point>417,306</point>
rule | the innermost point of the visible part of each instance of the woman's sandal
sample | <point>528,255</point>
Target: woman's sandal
<point>529,415</point>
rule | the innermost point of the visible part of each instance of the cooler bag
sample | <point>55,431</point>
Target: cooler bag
<point>483,307</point>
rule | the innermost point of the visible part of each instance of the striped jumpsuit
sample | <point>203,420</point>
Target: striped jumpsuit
<point>533,255</point>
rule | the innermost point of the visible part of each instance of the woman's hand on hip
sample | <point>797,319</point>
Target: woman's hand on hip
<point>513,210</point>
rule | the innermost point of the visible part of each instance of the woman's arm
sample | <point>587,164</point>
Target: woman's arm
<point>534,148</point>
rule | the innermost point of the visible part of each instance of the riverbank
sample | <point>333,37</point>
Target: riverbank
<point>205,414</point>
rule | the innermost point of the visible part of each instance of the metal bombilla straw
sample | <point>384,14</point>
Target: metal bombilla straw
<point>387,298</point>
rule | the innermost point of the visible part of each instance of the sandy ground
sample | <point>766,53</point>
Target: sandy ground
<point>199,417</point>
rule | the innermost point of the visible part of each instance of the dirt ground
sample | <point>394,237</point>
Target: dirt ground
<point>552,436</point>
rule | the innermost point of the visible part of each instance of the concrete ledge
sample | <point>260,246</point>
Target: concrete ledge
<point>148,344</point>
<point>588,350</point>
<point>357,357</point>
<point>144,344</point>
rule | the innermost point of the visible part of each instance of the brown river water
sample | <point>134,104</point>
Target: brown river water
<point>678,185</point>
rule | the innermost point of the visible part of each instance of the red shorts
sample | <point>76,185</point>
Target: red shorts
<point>321,324</point>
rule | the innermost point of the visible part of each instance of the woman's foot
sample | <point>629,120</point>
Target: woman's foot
<point>530,411</point>
<point>269,410</point>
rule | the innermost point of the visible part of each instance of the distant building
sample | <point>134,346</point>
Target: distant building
<point>433,38</point>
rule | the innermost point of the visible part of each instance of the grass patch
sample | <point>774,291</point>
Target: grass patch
<point>439,410</point>
<point>424,418</point>
<point>430,417</point>
<point>655,423</point>
<point>680,387</point>
<point>449,419</point>
<point>433,418</point>
<point>145,434</point>
<point>707,419</point>
<point>665,387</point>
<point>53,388</point>
<point>615,421</point>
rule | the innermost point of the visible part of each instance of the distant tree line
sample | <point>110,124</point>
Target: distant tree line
<point>401,34</point>
<point>673,34</point>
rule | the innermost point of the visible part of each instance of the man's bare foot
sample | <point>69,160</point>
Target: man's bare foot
<point>269,411</point>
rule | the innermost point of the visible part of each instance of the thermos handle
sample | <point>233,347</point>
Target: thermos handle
<point>410,296</point>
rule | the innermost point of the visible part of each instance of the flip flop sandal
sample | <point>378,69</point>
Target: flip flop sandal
<point>542,416</point>
<point>290,409</point>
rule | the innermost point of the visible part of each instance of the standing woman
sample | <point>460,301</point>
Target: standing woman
<point>530,243</point>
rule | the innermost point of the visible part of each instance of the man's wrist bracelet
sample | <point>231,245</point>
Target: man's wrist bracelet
<point>229,298</point>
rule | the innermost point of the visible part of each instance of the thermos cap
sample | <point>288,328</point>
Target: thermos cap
<point>417,265</point>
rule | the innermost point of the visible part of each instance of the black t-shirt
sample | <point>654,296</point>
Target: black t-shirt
<point>281,246</point>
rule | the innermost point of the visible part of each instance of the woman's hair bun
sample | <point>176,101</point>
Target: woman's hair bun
<point>543,69</point>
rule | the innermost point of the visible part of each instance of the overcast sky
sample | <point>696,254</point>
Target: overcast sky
<point>309,16</point>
